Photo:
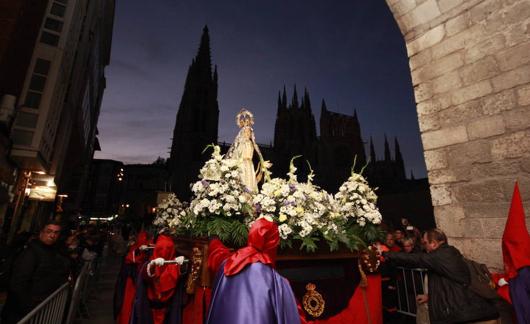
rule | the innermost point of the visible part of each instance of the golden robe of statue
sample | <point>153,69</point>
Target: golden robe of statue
<point>243,150</point>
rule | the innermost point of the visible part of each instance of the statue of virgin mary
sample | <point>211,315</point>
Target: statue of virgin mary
<point>243,150</point>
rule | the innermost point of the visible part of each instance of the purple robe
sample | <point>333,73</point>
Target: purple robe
<point>257,295</point>
<point>520,295</point>
<point>141,313</point>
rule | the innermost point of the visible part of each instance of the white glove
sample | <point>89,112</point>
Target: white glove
<point>502,282</point>
<point>143,247</point>
<point>179,260</point>
<point>158,262</point>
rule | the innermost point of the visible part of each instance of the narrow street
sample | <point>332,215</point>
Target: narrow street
<point>99,305</point>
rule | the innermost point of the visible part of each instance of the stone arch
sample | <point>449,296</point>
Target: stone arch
<point>470,67</point>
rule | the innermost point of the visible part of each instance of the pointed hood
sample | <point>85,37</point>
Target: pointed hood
<point>515,240</point>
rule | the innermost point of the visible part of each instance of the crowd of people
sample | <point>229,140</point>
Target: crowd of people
<point>35,265</point>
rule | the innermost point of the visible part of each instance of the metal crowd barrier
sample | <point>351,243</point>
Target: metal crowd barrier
<point>409,284</point>
<point>51,310</point>
<point>77,293</point>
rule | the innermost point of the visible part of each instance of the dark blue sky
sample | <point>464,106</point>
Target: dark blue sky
<point>349,52</point>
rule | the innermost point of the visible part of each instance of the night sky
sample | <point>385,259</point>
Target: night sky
<point>349,52</point>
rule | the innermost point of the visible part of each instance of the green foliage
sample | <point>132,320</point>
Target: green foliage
<point>309,243</point>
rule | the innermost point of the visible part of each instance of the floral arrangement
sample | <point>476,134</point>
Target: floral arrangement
<point>306,213</point>
<point>357,201</point>
<point>220,204</point>
<point>170,213</point>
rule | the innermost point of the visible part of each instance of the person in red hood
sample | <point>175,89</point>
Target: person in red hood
<point>159,299</point>
<point>247,288</point>
<point>125,290</point>
<point>516,257</point>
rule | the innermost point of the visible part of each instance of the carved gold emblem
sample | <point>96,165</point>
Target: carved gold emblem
<point>313,302</point>
<point>196,262</point>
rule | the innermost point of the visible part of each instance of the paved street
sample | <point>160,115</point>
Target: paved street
<point>100,300</point>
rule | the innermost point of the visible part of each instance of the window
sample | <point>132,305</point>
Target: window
<point>42,66</point>
<point>25,119</point>
<point>37,84</point>
<point>22,137</point>
<point>49,38</point>
<point>32,99</point>
<point>53,24</point>
<point>58,10</point>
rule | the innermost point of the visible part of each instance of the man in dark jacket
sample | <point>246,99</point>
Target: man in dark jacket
<point>450,300</point>
<point>37,272</point>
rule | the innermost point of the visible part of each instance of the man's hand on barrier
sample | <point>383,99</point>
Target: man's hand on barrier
<point>422,299</point>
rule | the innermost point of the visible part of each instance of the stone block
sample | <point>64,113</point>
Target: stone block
<point>517,119</point>
<point>523,95</point>
<point>516,34</point>
<point>498,102</point>
<point>517,13</point>
<point>485,9</point>
<point>401,7</point>
<point>446,82</point>
<point>485,47</point>
<point>426,40</point>
<point>461,114</point>
<point>439,67</point>
<point>514,57</point>
<point>486,127</point>
<point>428,122</point>
<point>513,145</point>
<point>423,13</point>
<point>524,164</point>
<point>464,39</point>
<point>493,228</point>
<point>420,59</point>
<point>423,91</point>
<point>444,137</point>
<point>482,250</point>
<point>469,153</point>
<point>441,195</point>
<point>458,24</point>
<point>485,209</point>
<point>442,176</point>
<point>512,78</point>
<point>435,159</point>
<point>449,219</point>
<point>494,169</point>
<point>471,92</point>
<point>473,228</point>
<point>479,191</point>
<point>446,5</point>
<point>482,69</point>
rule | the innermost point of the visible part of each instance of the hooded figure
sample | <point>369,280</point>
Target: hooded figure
<point>159,296</point>
<point>516,257</point>
<point>125,290</point>
<point>247,289</point>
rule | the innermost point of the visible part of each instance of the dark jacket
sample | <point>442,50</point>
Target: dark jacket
<point>37,272</point>
<point>450,299</point>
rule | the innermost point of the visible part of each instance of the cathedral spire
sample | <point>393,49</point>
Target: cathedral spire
<point>306,102</point>
<point>372,151</point>
<point>387,150</point>
<point>203,59</point>
<point>284,97</point>
<point>323,106</point>
<point>294,104</point>
<point>398,156</point>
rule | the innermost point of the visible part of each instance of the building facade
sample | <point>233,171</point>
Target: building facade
<point>53,58</point>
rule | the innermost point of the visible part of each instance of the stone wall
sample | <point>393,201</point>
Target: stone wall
<point>470,66</point>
